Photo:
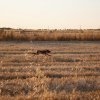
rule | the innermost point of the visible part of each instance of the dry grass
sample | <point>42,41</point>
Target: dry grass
<point>72,72</point>
<point>52,35</point>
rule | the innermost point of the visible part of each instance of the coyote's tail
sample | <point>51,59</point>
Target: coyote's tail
<point>34,53</point>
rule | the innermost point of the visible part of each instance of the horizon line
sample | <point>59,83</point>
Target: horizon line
<point>51,28</point>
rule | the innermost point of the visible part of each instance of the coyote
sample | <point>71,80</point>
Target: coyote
<point>45,52</point>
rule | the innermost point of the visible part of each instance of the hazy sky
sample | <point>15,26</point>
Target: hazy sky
<point>50,13</point>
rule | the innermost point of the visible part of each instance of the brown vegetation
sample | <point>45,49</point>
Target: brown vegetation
<point>72,72</point>
<point>50,35</point>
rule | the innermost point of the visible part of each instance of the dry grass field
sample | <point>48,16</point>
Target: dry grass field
<point>70,72</point>
<point>7,34</point>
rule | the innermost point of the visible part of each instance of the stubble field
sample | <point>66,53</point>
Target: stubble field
<point>70,72</point>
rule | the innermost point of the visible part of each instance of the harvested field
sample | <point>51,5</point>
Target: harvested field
<point>70,72</point>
